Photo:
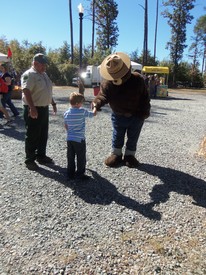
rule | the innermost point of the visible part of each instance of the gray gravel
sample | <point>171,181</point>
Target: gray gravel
<point>150,220</point>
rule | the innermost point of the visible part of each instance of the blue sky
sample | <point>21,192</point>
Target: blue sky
<point>48,21</point>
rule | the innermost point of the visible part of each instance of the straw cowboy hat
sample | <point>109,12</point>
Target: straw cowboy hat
<point>115,66</point>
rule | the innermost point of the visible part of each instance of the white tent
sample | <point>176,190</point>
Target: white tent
<point>136,66</point>
<point>4,58</point>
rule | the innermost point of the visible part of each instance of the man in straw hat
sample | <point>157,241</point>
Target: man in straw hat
<point>129,100</point>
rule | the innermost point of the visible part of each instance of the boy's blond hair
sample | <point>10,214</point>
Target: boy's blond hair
<point>76,98</point>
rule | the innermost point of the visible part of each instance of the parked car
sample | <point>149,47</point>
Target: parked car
<point>75,81</point>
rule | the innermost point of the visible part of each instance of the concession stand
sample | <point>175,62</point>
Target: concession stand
<point>162,73</point>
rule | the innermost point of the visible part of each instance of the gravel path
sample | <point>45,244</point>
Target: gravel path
<point>150,220</point>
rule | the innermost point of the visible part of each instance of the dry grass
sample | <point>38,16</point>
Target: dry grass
<point>202,150</point>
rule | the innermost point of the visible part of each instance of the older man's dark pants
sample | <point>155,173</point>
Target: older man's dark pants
<point>36,133</point>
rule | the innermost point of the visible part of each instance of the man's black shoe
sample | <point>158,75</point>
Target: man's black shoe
<point>44,160</point>
<point>32,166</point>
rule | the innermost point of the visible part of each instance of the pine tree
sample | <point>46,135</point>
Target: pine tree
<point>106,12</point>
<point>200,31</point>
<point>178,20</point>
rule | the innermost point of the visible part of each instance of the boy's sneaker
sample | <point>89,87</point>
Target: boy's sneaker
<point>32,166</point>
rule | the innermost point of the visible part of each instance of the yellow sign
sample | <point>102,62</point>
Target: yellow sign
<point>155,70</point>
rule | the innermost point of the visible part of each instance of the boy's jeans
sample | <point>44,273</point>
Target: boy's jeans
<point>77,149</point>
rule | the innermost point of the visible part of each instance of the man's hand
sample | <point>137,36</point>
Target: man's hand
<point>33,112</point>
<point>54,108</point>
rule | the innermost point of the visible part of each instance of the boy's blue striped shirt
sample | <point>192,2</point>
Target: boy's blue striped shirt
<point>74,118</point>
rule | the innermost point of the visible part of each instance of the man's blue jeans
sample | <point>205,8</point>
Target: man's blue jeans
<point>130,126</point>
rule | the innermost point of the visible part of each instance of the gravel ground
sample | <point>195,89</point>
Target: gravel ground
<point>150,220</point>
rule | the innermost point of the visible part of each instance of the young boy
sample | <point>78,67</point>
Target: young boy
<point>74,121</point>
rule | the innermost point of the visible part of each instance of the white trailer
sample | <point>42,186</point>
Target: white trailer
<point>92,78</point>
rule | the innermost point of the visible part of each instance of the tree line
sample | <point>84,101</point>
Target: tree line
<point>64,61</point>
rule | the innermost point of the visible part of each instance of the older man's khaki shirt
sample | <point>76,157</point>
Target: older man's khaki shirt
<point>39,85</point>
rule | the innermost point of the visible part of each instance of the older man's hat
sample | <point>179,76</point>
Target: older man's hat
<point>115,66</point>
<point>41,58</point>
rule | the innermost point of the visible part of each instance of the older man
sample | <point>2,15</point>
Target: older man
<point>37,96</point>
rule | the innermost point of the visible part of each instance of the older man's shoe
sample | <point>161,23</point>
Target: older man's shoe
<point>44,160</point>
<point>32,166</point>
<point>113,160</point>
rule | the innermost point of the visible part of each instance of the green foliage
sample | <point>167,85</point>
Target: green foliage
<point>134,56</point>
<point>67,72</point>
<point>184,72</point>
<point>204,79</point>
<point>55,74</point>
<point>97,58</point>
<point>61,71</point>
<point>150,59</point>
<point>200,32</point>
<point>3,45</point>
<point>200,27</point>
<point>87,59</point>
<point>177,20</point>
<point>107,30</point>
<point>64,53</point>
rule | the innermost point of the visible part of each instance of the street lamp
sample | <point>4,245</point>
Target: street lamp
<point>81,12</point>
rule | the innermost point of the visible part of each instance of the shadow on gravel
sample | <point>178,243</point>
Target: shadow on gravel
<point>171,98</point>
<point>178,98</point>
<point>175,181</point>
<point>16,130</point>
<point>98,190</point>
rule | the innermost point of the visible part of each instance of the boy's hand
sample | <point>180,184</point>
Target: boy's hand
<point>93,105</point>
<point>95,111</point>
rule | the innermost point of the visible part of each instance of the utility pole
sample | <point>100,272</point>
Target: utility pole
<point>145,41</point>
<point>71,32</point>
<point>81,13</point>
<point>155,41</point>
<point>93,26</point>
